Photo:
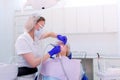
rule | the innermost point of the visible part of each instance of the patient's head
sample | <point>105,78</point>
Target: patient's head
<point>65,49</point>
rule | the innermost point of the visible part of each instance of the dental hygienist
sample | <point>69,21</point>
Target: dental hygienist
<point>27,47</point>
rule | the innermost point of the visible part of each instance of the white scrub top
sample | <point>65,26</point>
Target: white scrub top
<point>25,45</point>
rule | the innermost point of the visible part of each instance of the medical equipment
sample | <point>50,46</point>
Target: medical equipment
<point>84,67</point>
<point>53,44</point>
<point>112,73</point>
<point>40,4</point>
<point>63,68</point>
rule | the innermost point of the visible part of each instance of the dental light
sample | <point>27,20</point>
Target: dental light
<point>41,4</point>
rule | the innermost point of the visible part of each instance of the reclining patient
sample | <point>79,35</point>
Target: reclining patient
<point>61,67</point>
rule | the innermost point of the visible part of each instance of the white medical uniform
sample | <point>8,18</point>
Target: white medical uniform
<point>24,45</point>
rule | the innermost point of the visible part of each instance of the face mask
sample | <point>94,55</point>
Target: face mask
<point>38,32</point>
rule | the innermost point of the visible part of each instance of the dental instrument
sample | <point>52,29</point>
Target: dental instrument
<point>41,4</point>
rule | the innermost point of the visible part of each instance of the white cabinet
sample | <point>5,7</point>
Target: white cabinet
<point>58,20</point>
<point>110,18</point>
<point>70,20</point>
<point>92,19</point>
<point>96,19</point>
<point>83,22</point>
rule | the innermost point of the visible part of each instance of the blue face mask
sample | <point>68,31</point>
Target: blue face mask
<point>38,32</point>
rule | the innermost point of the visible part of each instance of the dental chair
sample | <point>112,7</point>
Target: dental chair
<point>62,71</point>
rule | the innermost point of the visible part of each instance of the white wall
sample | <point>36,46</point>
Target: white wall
<point>1,28</point>
<point>119,25</point>
<point>6,30</point>
<point>106,44</point>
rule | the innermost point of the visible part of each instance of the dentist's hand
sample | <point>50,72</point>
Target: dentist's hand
<point>62,38</point>
<point>55,50</point>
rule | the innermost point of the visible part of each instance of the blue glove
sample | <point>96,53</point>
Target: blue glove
<point>84,77</point>
<point>62,38</point>
<point>55,50</point>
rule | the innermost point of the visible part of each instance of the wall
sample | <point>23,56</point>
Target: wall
<point>119,25</point>
<point>1,24</point>
<point>6,30</point>
<point>106,44</point>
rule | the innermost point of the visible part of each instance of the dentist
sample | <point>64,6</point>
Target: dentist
<point>27,47</point>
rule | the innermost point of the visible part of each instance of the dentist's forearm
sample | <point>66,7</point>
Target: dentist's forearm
<point>35,61</point>
<point>49,34</point>
<point>52,34</point>
<point>45,57</point>
<point>38,61</point>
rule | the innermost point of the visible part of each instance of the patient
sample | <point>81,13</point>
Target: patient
<point>61,67</point>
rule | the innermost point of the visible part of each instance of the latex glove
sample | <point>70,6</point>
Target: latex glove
<point>55,50</point>
<point>62,38</point>
<point>84,77</point>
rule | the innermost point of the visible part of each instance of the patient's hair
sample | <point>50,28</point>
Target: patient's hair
<point>68,51</point>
